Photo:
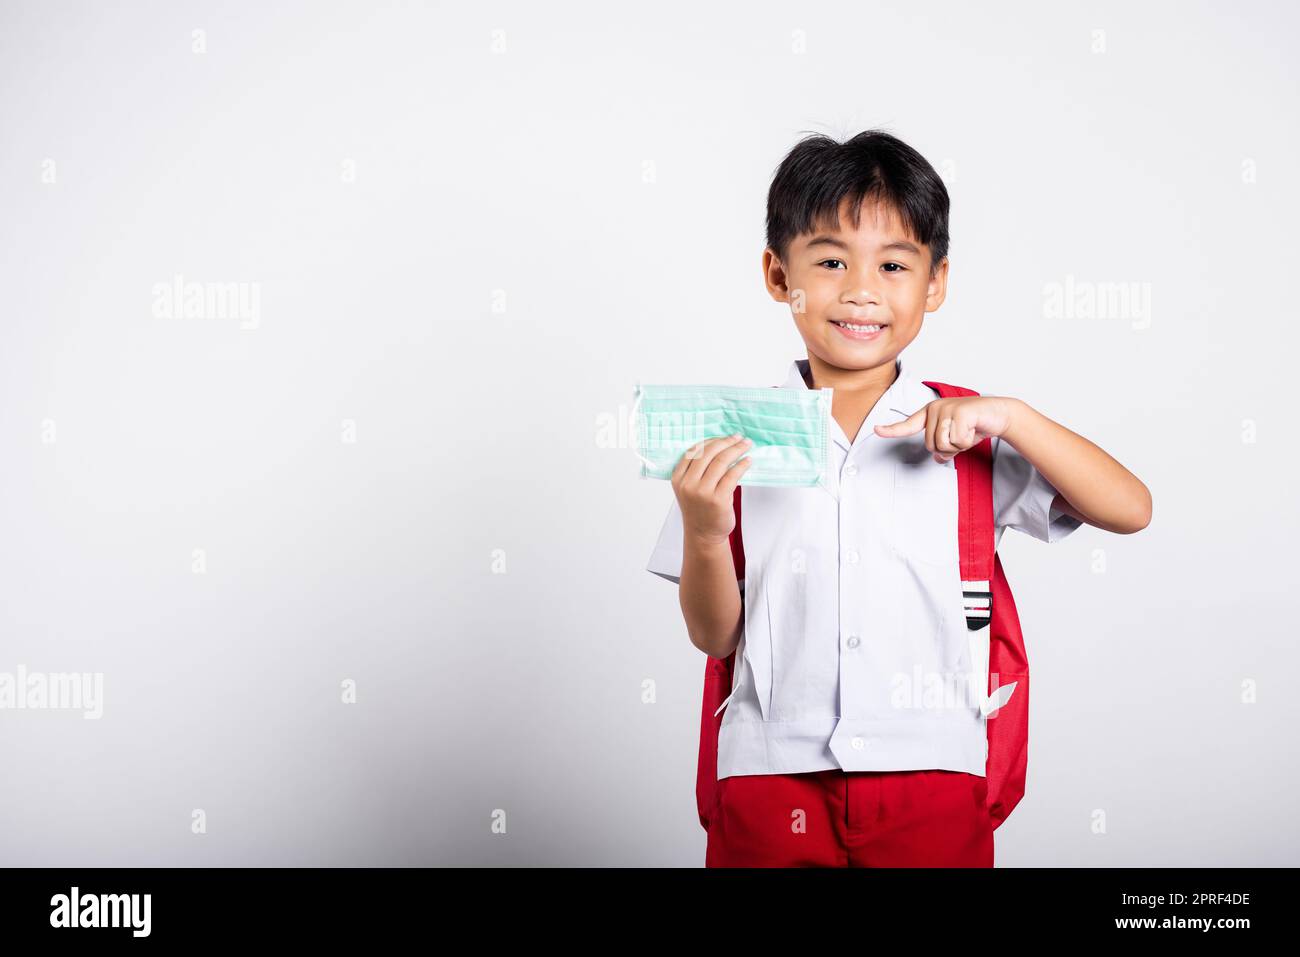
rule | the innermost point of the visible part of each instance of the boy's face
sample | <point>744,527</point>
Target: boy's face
<point>876,274</point>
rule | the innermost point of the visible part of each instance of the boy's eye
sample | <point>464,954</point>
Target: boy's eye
<point>887,267</point>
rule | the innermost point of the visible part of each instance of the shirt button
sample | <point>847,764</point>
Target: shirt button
<point>851,556</point>
<point>858,744</point>
<point>853,641</point>
<point>850,470</point>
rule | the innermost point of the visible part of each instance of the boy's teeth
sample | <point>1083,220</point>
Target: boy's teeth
<point>849,325</point>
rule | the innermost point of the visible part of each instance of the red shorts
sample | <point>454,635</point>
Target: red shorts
<point>840,818</point>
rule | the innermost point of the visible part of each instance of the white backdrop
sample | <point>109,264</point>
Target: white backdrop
<point>452,237</point>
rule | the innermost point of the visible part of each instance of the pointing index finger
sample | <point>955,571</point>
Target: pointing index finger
<point>909,426</point>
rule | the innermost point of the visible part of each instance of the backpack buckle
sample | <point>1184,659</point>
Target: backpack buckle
<point>977,600</point>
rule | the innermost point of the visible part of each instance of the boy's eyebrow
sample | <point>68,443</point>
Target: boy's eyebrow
<point>899,244</point>
<point>902,245</point>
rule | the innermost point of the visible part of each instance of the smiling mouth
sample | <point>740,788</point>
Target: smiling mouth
<point>860,326</point>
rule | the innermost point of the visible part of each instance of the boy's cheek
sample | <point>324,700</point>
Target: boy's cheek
<point>809,300</point>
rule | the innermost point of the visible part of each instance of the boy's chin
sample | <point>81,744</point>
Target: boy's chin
<point>859,352</point>
<point>854,359</point>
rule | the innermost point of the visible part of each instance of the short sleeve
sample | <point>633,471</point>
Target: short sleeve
<point>666,559</point>
<point>1022,498</point>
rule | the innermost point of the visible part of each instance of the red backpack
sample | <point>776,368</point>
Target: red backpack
<point>993,608</point>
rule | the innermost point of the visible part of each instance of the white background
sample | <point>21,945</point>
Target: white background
<point>601,174</point>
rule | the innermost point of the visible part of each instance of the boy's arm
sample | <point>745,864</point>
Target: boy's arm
<point>1090,485</point>
<point>694,547</point>
<point>710,596</point>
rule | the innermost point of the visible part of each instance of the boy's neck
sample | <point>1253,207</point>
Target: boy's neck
<point>856,391</point>
<point>855,385</point>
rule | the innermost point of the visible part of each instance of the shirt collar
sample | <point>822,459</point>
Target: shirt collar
<point>903,397</point>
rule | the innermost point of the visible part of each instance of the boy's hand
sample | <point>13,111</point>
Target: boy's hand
<point>955,424</point>
<point>704,483</point>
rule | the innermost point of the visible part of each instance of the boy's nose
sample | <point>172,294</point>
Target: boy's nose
<point>860,296</point>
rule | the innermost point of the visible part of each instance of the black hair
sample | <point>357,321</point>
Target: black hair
<point>819,173</point>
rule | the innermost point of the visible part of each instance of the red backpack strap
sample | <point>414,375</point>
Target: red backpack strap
<point>1008,666</point>
<point>974,521</point>
<point>719,676</point>
<point>737,545</point>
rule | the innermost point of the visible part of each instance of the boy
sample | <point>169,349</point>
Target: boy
<point>851,589</point>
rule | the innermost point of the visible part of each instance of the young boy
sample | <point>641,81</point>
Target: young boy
<point>851,586</point>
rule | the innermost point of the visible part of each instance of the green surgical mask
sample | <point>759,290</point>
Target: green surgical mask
<point>790,429</point>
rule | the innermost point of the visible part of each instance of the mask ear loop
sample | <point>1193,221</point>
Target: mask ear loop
<point>636,432</point>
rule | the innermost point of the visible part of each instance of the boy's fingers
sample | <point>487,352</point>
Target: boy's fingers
<point>684,462</point>
<point>687,458</point>
<point>909,426</point>
<point>703,454</point>
<point>953,438</point>
<point>691,455</point>
<point>731,477</point>
<point>959,437</point>
<point>943,437</point>
<point>722,462</point>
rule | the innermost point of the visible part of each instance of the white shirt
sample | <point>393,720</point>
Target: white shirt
<point>854,624</point>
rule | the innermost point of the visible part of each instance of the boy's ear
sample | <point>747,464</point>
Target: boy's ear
<point>938,287</point>
<point>774,276</point>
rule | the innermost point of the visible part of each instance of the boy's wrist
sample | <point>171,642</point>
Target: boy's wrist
<point>1017,412</point>
<point>702,544</point>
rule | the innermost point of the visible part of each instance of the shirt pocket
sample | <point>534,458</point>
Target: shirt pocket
<point>925,511</point>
